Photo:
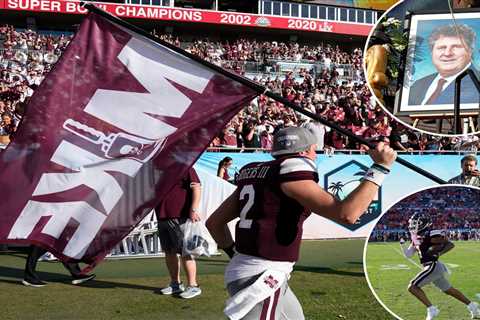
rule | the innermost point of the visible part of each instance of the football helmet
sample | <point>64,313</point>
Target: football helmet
<point>419,222</point>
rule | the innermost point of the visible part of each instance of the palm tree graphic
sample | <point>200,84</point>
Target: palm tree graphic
<point>336,188</point>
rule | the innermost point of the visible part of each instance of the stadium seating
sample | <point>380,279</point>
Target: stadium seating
<point>324,79</point>
<point>452,209</point>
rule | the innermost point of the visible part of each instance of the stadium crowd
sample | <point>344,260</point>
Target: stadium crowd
<point>453,209</point>
<point>25,58</point>
<point>317,82</point>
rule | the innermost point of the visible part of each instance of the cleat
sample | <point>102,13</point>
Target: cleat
<point>432,312</point>
<point>36,283</point>
<point>82,278</point>
<point>474,310</point>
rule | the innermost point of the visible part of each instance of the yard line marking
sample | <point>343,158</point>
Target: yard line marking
<point>394,267</point>
<point>409,259</point>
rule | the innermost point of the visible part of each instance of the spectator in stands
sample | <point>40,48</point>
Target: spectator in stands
<point>434,144</point>
<point>7,126</point>
<point>223,166</point>
<point>466,143</point>
<point>399,138</point>
<point>412,143</point>
<point>251,139</point>
<point>228,138</point>
<point>264,124</point>
<point>266,138</point>
<point>470,174</point>
<point>181,203</point>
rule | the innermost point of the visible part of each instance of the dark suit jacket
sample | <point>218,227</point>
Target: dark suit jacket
<point>468,93</point>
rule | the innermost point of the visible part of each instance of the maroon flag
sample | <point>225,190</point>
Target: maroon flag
<point>105,136</point>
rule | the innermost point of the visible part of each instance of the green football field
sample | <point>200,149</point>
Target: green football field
<point>389,273</point>
<point>328,280</point>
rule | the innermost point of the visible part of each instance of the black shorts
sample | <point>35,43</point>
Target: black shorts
<point>171,235</point>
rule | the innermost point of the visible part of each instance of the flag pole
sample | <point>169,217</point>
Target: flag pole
<point>254,86</point>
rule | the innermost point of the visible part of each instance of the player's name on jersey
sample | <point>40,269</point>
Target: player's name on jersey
<point>253,173</point>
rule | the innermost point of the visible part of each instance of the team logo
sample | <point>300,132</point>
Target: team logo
<point>270,281</point>
<point>369,174</point>
<point>263,22</point>
<point>343,180</point>
<point>116,145</point>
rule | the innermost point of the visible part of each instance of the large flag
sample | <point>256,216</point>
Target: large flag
<point>105,136</point>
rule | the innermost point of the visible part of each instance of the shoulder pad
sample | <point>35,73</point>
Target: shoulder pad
<point>297,164</point>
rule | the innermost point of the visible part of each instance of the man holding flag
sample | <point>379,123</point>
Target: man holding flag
<point>272,200</point>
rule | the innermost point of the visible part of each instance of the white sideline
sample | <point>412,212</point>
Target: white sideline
<point>409,259</point>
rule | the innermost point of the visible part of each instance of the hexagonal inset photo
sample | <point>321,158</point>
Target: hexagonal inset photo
<point>422,259</point>
<point>422,64</point>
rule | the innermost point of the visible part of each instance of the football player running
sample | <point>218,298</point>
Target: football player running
<point>272,200</point>
<point>430,245</point>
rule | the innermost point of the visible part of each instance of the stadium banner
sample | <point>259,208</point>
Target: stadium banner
<point>115,124</point>
<point>192,15</point>
<point>340,173</point>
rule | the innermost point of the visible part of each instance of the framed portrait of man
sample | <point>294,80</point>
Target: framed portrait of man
<point>440,49</point>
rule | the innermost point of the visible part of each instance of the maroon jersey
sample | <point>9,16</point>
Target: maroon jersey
<point>271,223</point>
<point>424,243</point>
<point>179,199</point>
<point>226,176</point>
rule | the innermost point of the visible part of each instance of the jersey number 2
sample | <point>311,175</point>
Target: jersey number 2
<point>249,191</point>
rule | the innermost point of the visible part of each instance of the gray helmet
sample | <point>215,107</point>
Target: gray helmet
<point>292,140</point>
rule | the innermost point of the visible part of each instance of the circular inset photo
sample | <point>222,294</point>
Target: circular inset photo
<point>422,64</point>
<point>422,259</point>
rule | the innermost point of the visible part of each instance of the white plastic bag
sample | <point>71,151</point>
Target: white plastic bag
<point>197,241</point>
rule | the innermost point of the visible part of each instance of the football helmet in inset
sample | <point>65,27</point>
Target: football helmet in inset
<point>419,222</point>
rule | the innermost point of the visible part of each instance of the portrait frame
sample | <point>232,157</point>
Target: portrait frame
<point>420,69</point>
